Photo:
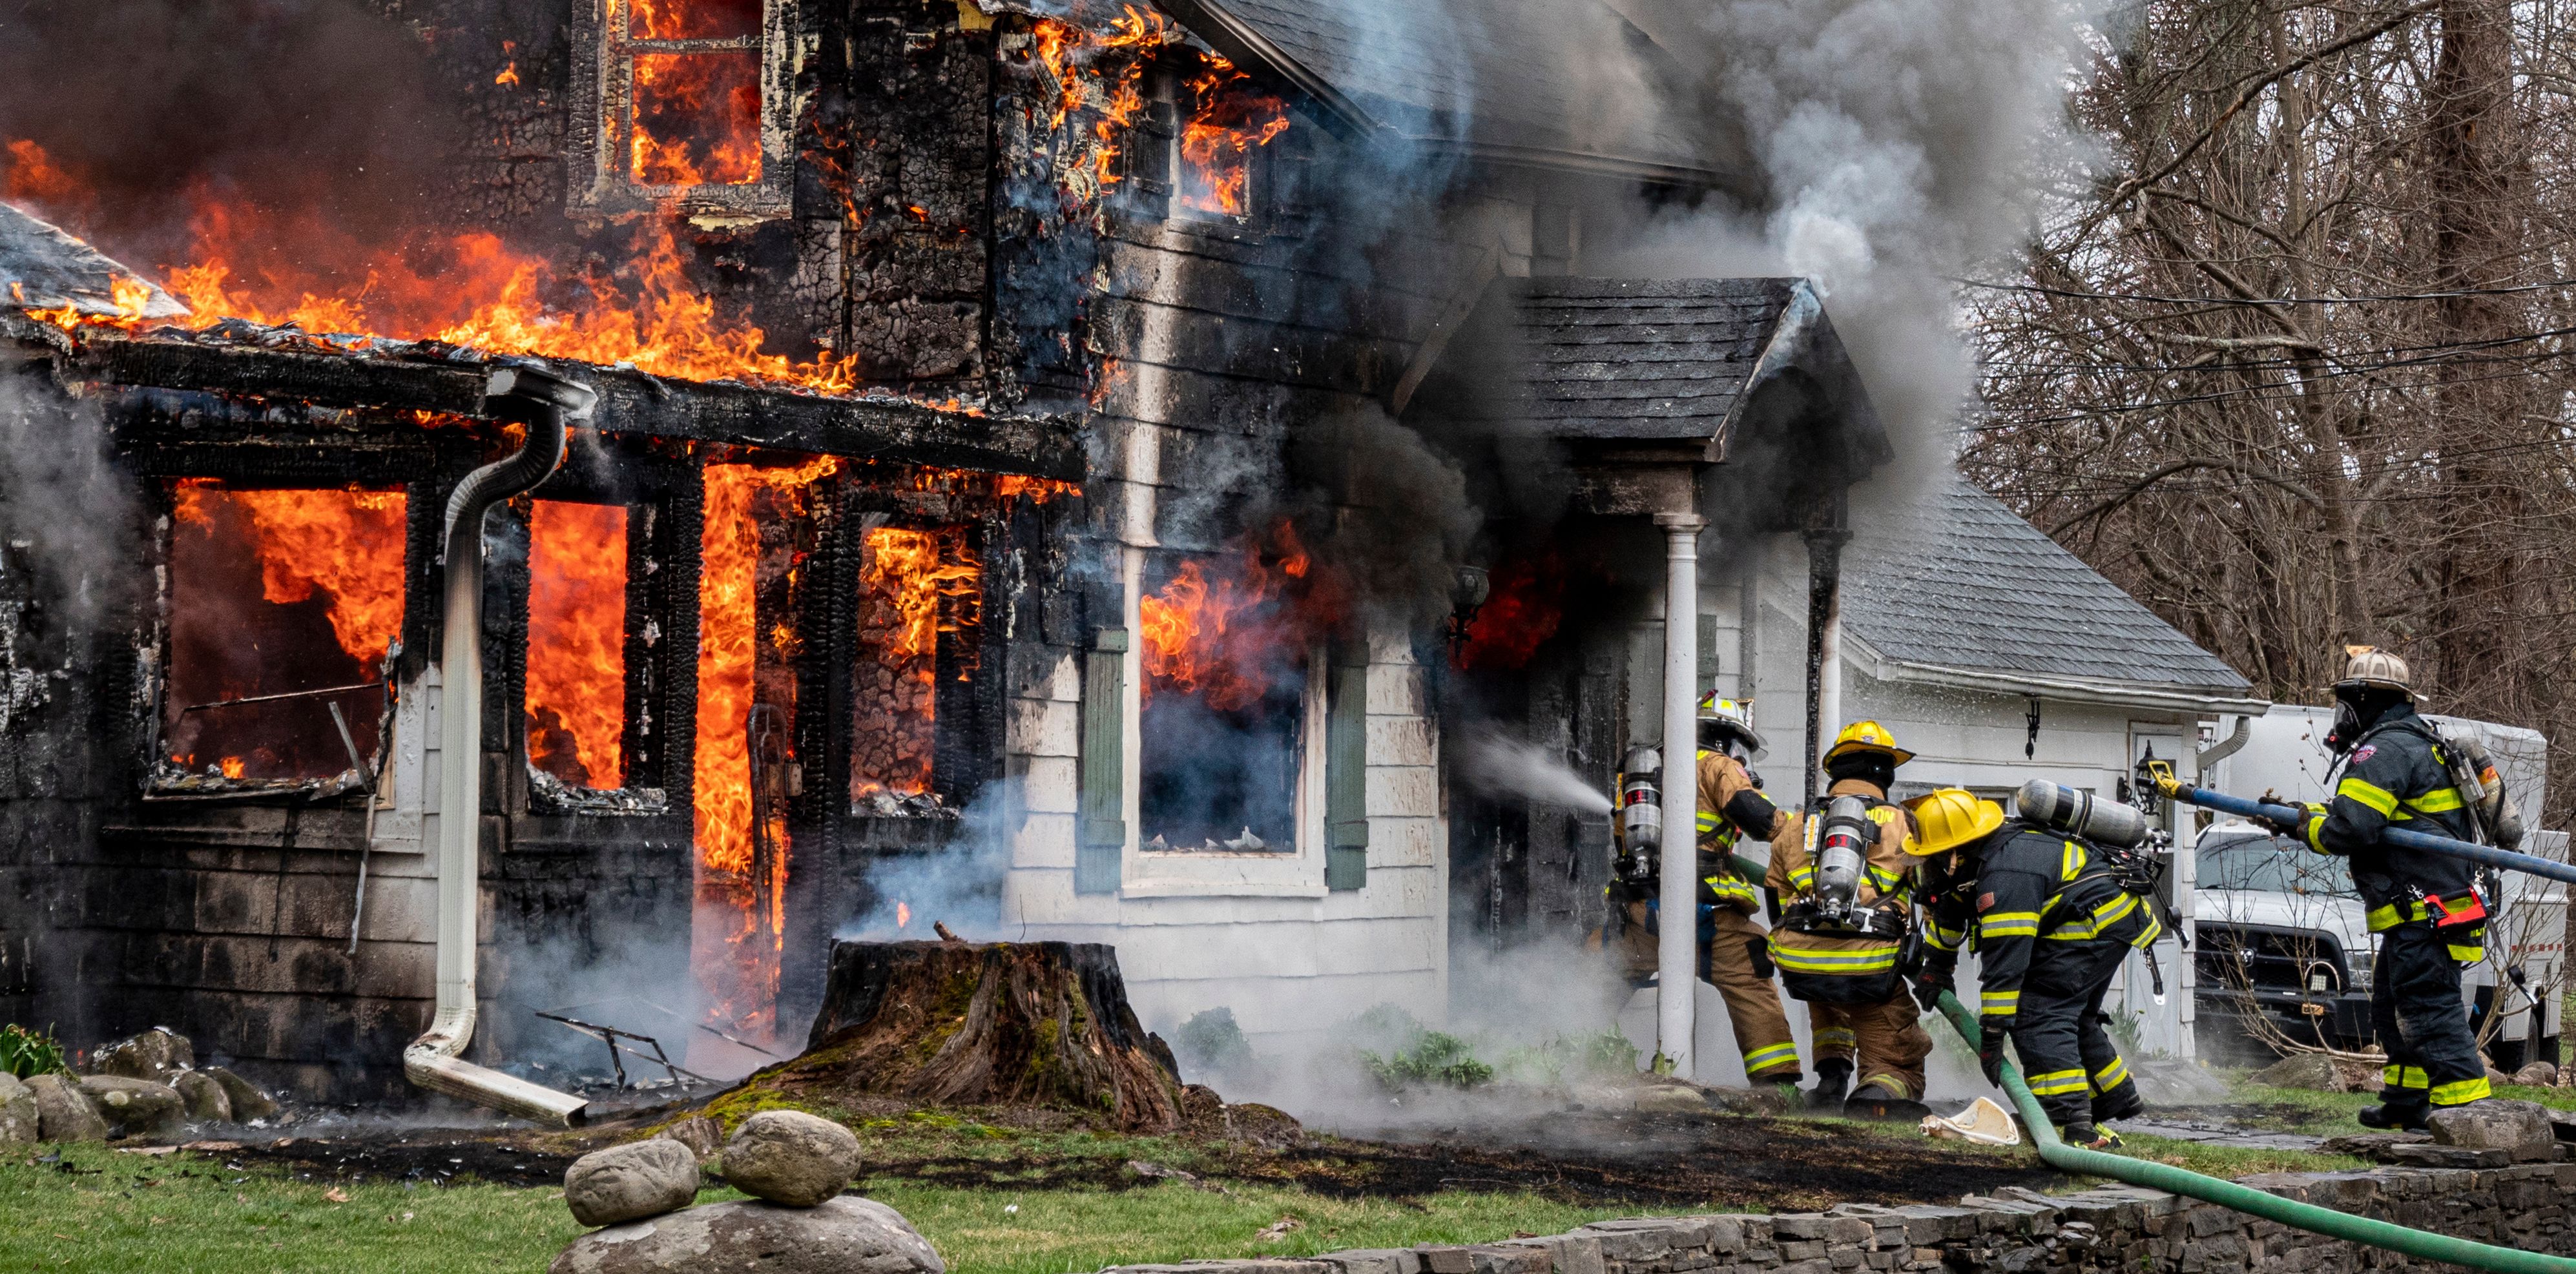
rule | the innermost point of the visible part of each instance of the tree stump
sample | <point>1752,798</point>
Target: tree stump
<point>999,1023</point>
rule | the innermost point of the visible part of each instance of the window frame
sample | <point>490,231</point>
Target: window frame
<point>648,647</point>
<point>603,127</point>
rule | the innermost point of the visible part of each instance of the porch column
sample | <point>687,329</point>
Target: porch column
<point>1824,648</point>
<point>1677,980</point>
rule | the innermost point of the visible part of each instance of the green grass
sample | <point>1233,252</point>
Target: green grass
<point>2230,1162</point>
<point>188,1214</point>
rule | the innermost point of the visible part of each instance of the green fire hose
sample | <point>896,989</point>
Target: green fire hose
<point>2425,1244</point>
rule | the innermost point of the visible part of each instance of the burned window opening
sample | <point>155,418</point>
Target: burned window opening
<point>919,614</point>
<point>592,716</point>
<point>282,608</point>
<point>1230,646</point>
<point>1221,157</point>
<point>690,105</point>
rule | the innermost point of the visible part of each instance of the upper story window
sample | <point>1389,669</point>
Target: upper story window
<point>1222,162</point>
<point>690,105</point>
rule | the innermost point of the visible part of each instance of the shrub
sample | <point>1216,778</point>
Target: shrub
<point>24,1052</point>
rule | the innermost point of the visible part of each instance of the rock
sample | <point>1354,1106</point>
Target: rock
<point>1671,1097</point>
<point>248,1102</point>
<point>17,1110</point>
<point>2519,1128</point>
<point>156,1055</point>
<point>2424,1154</point>
<point>206,1103</point>
<point>790,1157</point>
<point>703,1136</point>
<point>2537,1075</point>
<point>2563,1123</point>
<point>841,1234</point>
<point>2303,1070</point>
<point>631,1182</point>
<point>2372,1145</point>
<point>65,1111</point>
<point>136,1106</point>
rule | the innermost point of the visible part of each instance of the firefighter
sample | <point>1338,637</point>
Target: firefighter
<point>1839,871</point>
<point>1731,806</point>
<point>2051,920</point>
<point>2426,908</point>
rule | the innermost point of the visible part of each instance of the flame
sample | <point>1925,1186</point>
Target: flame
<point>692,19</point>
<point>1523,609</point>
<point>1219,637</point>
<point>1073,56</point>
<point>509,75</point>
<point>697,118</point>
<point>34,178</point>
<point>232,767</point>
<point>902,915</point>
<point>577,641</point>
<point>737,960</point>
<point>1218,141</point>
<point>917,584</point>
<point>345,543</point>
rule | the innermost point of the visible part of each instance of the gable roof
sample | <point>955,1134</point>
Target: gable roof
<point>43,268</point>
<point>1954,582</point>
<point>1532,80</point>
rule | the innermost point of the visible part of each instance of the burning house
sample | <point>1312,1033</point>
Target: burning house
<point>814,467</point>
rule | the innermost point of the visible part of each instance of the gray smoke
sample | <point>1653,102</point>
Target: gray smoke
<point>65,509</point>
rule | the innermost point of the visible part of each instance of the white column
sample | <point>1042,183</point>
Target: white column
<point>1677,979</point>
<point>1829,677</point>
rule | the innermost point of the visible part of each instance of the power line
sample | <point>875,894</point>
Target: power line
<point>2043,290</point>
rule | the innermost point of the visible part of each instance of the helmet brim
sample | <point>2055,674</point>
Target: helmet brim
<point>1990,816</point>
<point>1898,756</point>
<point>2376,683</point>
<point>1740,732</point>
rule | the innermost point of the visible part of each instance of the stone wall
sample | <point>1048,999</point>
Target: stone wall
<point>2114,1228</point>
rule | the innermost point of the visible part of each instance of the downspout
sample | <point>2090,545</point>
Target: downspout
<point>545,403</point>
<point>2422,1244</point>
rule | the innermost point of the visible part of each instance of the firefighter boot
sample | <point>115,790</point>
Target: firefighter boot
<point>2122,1102</point>
<point>1833,1083</point>
<point>2084,1136</point>
<point>2395,1115</point>
<point>1877,1101</point>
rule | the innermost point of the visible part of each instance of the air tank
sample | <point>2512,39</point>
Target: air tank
<point>2081,814</point>
<point>1842,850</point>
<point>1641,800</point>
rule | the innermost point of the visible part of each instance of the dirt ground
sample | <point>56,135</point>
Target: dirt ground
<point>1656,1161</point>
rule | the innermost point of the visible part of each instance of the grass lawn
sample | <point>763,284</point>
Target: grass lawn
<point>101,1210</point>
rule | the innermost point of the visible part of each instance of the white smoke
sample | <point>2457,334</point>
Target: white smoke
<point>1500,766</point>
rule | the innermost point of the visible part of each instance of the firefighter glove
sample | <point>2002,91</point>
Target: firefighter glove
<point>1930,983</point>
<point>1990,1047</point>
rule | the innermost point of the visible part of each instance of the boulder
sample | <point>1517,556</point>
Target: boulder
<point>248,1102</point>
<point>2537,1075</point>
<point>136,1106</point>
<point>205,1098</point>
<point>841,1234</point>
<point>790,1157</point>
<point>65,1111</point>
<point>703,1136</point>
<point>2424,1154</point>
<point>2519,1128</point>
<point>156,1055</point>
<point>17,1110</point>
<point>2372,1145</point>
<point>631,1182</point>
<point>2303,1070</point>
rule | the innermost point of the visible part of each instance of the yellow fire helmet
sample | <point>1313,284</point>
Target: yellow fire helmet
<point>1952,817</point>
<point>1866,736</point>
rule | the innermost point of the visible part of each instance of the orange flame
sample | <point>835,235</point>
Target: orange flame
<point>344,543</point>
<point>1219,637</point>
<point>509,75</point>
<point>697,118</point>
<point>918,584</point>
<point>1073,56</point>
<point>902,915</point>
<point>1523,610</point>
<point>232,767</point>
<point>1218,141</point>
<point>577,642</point>
<point>692,19</point>
<point>738,961</point>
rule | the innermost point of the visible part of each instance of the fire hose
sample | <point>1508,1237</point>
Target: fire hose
<point>2294,816</point>
<point>2422,1244</point>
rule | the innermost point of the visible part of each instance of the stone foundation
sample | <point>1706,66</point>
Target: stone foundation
<point>2114,1228</point>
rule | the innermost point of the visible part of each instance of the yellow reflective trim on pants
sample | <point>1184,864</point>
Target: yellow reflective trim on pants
<point>2370,794</point>
<point>1893,1083</point>
<point>1837,1037</point>
<point>1999,1003</point>
<point>2110,1077</point>
<point>2462,1092</point>
<point>2404,1077</point>
<point>1763,1059</point>
<point>1845,960</point>
<point>2057,1083</point>
<point>2468,955</point>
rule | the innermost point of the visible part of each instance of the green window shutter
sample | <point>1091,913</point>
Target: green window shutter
<point>1101,838</point>
<point>1346,827</point>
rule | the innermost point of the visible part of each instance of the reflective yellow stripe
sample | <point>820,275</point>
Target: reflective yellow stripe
<point>1730,886</point>
<point>1841,1037</point>
<point>2070,861</point>
<point>2313,829</point>
<point>1870,959</point>
<point>1893,1083</point>
<point>1803,879</point>
<point>1707,821</point>
<point>1883,880</point>
<point>1762,1059</point>
<point>2404,1077</point>
<point>2372,795</point>
<point>2111,1076</point>
<point>2385,916</point>
<point>2147,935</point>
<point>2439,800</point>
<point>2008,924</point>
<point>2390,915</point>
<point>2111,911</point>
<point>2468,955</point>
<point>2467,1090</point>
<point>2057,1083</point>
<point>1999,1003</point>
<point>1944,939</point>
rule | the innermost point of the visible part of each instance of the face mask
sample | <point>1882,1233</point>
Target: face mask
<point>2347,727</point>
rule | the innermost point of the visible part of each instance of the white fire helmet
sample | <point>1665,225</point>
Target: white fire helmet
<point>1727,717</point>
<point>2371,667</point>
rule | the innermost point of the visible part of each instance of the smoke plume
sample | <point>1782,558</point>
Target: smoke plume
<point>1514,769</point>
